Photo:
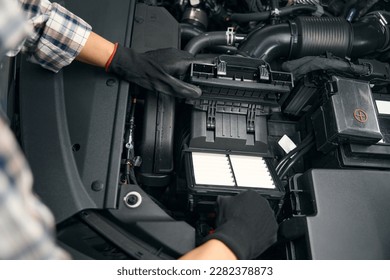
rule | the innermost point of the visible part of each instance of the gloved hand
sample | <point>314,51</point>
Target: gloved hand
<point>153,70</point>
<point>246,224</point>
<point>175,62</point>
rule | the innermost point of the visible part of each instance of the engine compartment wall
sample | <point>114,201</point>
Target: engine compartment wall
<point>72,122</point>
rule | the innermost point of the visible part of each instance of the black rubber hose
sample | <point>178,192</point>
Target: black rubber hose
<point>368,5</point>
<point>268,43</point>
<point>274,4</point>
<point>188,31</point>
<point>310,36</point>
<point>206,40</point>
<point>262,16</point>
<point>369,37</point>
<point>209,39</point>
<point>318,35</point>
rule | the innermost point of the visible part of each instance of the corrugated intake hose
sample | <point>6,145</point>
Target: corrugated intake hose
<point>313,36</point>
<point>310,36</point>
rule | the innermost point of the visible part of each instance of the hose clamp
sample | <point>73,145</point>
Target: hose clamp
<point>275,13</point>
<point>294,39</point>
<point>384,21</point>
<point>320,11</point>
<point>230,36</point>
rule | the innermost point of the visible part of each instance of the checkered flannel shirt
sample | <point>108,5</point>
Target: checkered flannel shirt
<point>55,39</point>
<point>12,25</point>
<point>57,36</point>
<point>26,225</point>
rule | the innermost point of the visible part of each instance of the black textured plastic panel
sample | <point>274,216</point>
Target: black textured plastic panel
<point>72,122</point>
<point>351,214</point>
<point>218,89</point>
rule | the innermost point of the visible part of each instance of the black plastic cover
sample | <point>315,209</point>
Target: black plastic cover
<point>347,213</point>
<point>153,223</point>
<point>157,140</point>
<point>155,28</point>
<point>72,122</point>
<point>241,79</point>
<point>225,127</point>
<point>348,116</point>
<point>301,99</point>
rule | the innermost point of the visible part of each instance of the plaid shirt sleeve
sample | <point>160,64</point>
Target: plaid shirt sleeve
<point>58,35</point>
<point>26,225</point>
<point>13,27</point>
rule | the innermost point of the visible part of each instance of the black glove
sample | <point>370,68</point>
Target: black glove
<point>246,224</point>
<point>173,61</point>
<point>153,70</point>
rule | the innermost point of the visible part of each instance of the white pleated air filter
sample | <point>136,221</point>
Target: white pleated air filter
<point>231,171</point>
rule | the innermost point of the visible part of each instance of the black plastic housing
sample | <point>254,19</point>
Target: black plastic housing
<point>375,155</point>
<point>155,28</point>
<point>348,116</point>
<point>302,98</point>
<point>237,95</point>
<point>343,214</point>
<point>156,147</point>
<point>240,79</point>
<point>229,126</point>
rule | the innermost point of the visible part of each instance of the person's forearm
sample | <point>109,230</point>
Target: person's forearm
<point>96,51</point>
<point>211,250</point>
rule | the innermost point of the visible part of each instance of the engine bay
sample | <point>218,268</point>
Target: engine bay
<point>295,105</point>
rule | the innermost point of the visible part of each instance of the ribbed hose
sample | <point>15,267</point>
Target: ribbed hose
<point>317,35</point>
<point>309,36</point>
<point>308,2</point>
